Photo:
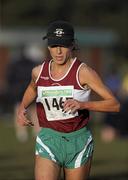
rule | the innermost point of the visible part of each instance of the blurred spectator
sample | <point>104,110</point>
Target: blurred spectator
<point>125,86</point>
<point>19,77</point>
<point>123,123</point>
<point>111,120</point>
<point>4,61</point>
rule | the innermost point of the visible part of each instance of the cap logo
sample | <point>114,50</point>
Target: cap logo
<point>59,32</point>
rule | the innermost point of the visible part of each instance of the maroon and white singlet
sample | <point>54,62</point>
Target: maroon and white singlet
<point>51,94</point>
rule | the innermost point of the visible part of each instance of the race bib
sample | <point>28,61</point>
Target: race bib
<point>53,98</point>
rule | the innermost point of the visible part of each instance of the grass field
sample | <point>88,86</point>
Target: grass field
<point>110,160</point>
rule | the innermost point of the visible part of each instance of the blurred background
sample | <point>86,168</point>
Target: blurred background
<point>102,35</point>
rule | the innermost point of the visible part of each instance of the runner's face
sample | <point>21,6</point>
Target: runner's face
<point>60,54</point>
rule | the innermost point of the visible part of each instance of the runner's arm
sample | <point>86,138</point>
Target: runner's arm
<point>108,102</point>
<point>28,97</point>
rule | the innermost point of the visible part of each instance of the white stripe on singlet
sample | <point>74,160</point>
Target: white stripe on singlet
<point>40,72</point>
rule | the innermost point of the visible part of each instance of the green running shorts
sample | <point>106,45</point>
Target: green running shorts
<point>69,150</point>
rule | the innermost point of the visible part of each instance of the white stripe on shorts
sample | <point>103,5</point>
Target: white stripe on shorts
<point>36,153</point>
<point>38,140</point>
<point>80,155</point>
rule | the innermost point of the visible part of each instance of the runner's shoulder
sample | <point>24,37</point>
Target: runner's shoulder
<point>36,71</point>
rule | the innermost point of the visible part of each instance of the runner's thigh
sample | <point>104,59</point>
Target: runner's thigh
<point>46,169</point>
<point>80,173</point>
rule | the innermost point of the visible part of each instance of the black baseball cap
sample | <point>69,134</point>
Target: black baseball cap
<point>60,33</point>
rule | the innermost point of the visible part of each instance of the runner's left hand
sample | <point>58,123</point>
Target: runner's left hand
<point>72,105</point>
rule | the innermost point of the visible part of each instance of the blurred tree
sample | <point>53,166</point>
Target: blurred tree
<point>33,12</point>
<point>39,12</point>
<point>112,14</point>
